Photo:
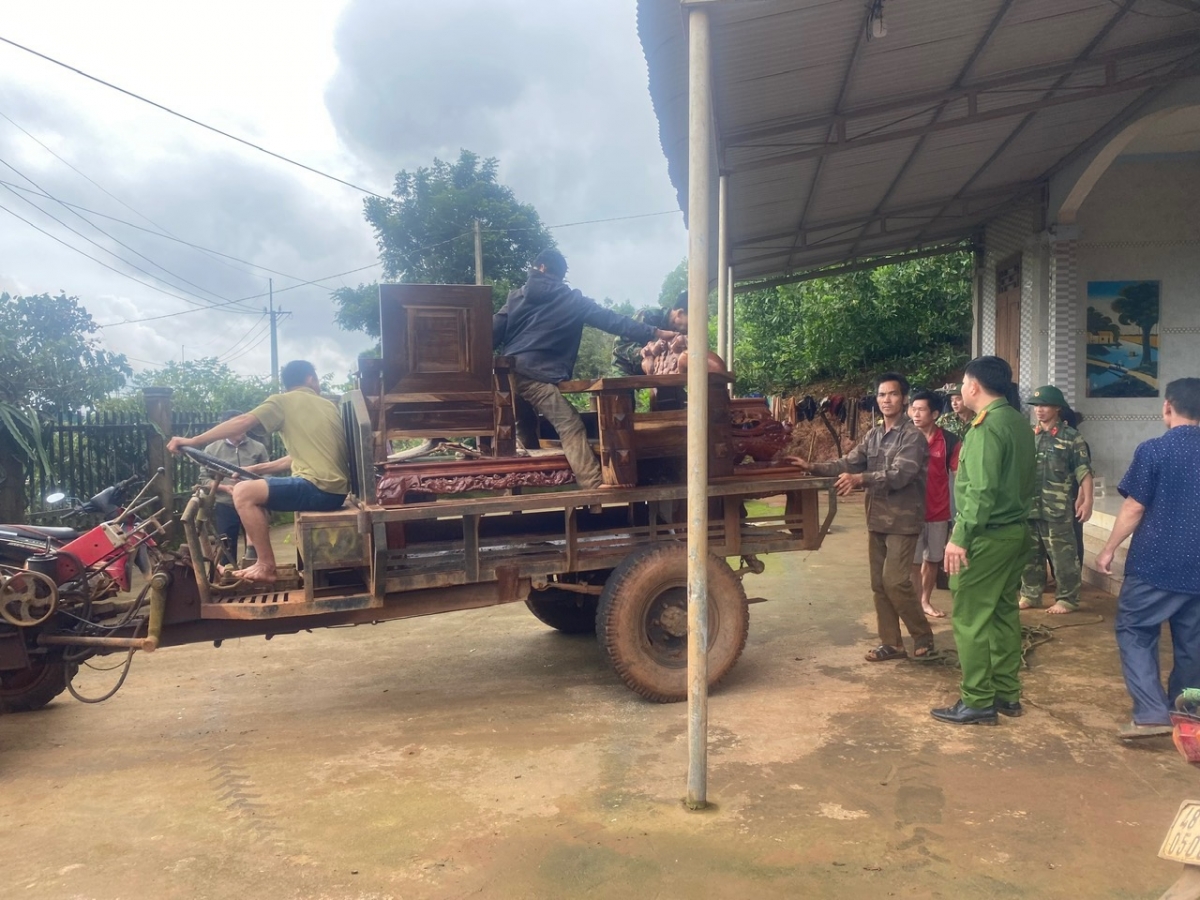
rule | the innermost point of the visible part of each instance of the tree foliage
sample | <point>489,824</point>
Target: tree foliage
<point>50,363</point>
<point>1138,305</point>
<point>425,234</point>
<point>914,317</point>
<point>199,385</point>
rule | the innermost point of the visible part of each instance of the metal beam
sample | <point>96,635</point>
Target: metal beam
<point>980,46</point>
<point>1095,42</point>
<point>875,263</point>
<point>893,213</point>
<point>1007,112</point>
<point>964,92</point>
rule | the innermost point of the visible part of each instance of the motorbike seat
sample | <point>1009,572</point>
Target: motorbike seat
<point>50,531</point>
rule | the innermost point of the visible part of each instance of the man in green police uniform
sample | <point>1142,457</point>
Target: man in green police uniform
<point>1063,495</point>
<point>988,547</point>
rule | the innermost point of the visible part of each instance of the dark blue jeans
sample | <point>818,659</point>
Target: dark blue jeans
<point>1141,611</point>
<point>229,527</point>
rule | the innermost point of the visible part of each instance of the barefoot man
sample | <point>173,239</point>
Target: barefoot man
<point>316,455</point>
<point>943,460</point>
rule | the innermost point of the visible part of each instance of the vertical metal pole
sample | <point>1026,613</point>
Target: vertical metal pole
<point>729,328</point>
<point>722,266</point>
<point>478,254</point>
<point>700,170</point>
<point>274,335</point>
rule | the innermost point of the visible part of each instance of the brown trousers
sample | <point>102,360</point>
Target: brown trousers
<point>896,598</point>
<point>549,401</point>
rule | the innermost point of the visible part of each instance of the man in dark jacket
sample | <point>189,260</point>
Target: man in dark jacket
<point>540,326</point>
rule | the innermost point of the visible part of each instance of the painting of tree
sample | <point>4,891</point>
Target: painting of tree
<point>1122,338</point>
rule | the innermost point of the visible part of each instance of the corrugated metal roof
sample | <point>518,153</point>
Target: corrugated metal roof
<point>839,146</point>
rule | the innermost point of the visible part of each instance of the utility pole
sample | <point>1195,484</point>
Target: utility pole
<point>274,334</point>
<point>478,254</point>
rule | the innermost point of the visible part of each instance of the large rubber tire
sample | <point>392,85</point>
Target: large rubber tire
<point>32,688</point>
<point>567,611</point>
<point>641,622</point>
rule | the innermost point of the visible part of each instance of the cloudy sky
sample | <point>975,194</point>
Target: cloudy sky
<point>556,89</point>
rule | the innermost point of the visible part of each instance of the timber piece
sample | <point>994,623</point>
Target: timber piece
<point>618,452</point>
<point>466,475</point>
<point>780,482</point>
<point>504,436</point>
<point>636,382</point>
<point>804,508</point>
<point>720,445</point>
<point>733,525</point>
<point>470,525</point>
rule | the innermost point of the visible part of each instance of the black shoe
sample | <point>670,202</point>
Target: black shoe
<point>961,714</point>
<point>1011,708</point>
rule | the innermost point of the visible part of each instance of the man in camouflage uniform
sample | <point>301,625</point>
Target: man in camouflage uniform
<point>627,354</point>
<point>1063,496</point>
<point>957,419</point>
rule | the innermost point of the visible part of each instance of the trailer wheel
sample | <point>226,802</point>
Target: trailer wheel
<point>28,689</point>
<point>567,611</point>
<point>641,622</point>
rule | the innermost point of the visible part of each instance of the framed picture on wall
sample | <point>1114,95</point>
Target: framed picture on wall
<point>1122,338</point>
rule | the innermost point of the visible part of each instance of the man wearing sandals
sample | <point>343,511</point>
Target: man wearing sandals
<point>891,463</point>
<point>993,494</point>
<point>1063,497</point>
<point>1162,581</point>
<point>317,457</point>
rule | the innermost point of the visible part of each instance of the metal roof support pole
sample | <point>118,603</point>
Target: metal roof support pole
<point>727,351</point>
<point>722,266</point>
<point>700,172</point>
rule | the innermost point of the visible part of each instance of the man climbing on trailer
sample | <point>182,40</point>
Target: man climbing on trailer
<point>540,326</point>
<point>312,433</point>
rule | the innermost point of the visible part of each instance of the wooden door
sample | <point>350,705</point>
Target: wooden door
<point>1008,314</point>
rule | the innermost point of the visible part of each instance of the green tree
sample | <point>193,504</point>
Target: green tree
<point>50,363</point>
<point>675,282</point>
<point>913,316</point>
<point>1137,305</point>
<point>204,385</point>
<point>425,234</point>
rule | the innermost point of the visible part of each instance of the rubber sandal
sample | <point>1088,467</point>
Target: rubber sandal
<point>884,652</point>
<point>1132,730</point>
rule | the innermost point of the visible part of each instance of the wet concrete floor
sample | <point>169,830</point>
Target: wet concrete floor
<point>480,754</point>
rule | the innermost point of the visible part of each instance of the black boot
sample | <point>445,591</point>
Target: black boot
<point>961,714</point>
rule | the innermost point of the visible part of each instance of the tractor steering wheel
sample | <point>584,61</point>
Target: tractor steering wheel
<point>208,461</point>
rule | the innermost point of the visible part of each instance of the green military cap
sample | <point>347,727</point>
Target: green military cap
<point>1048,396</point>
<point>951,389</point>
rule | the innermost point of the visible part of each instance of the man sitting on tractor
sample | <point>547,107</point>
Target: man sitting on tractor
<point>316,455</point>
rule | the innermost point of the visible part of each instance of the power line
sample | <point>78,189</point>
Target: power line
<point>166,232</point>
<point>249,333</point>
<point>59,240</point>
<point>162,234</point>
<point>186,118</point>
<point>115,240</point>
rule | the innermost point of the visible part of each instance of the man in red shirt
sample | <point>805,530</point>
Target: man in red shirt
<point>923,409</point>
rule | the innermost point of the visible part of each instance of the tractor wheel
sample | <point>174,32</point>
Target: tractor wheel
<point>568,611</point>
<point>28,689</point>
<point>642,626</point>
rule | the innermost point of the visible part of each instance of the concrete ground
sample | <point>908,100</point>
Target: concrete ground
<point>480,754</point>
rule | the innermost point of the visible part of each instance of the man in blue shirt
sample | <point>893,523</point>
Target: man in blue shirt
<point>1162,578</point>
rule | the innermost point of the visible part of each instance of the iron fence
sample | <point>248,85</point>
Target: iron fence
<point>88,452</point>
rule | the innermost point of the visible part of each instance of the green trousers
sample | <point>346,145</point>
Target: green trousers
<point>987,625</point>
<point>1056,542</point>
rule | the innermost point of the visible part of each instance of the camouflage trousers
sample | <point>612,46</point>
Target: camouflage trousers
<point>1056,542</point>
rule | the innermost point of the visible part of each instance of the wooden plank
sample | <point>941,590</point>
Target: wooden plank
<point>438,395</point>
<point>436,338</point>
<point>618,451</point>
<point>636,382</point>
<point>471,547</point>
<point>733,525</point>
<point>572,535</point>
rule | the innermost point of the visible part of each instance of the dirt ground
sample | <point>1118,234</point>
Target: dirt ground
<point>480,754</point>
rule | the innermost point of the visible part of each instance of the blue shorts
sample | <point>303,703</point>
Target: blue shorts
<point>298,495</point>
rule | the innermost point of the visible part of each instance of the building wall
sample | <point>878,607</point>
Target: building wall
<point>1005,237</point>
<point>1141,221</point>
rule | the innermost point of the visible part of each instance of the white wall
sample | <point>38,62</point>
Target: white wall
<point>1141,221</point>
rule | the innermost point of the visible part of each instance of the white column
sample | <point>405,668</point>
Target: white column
<point>722,266</point>
<point>700,171</point>
<point>1064,343</point>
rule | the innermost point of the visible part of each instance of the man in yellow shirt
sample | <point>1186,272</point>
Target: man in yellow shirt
<point>316,455</point>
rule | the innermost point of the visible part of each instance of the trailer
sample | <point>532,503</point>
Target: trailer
<point>472,527</point>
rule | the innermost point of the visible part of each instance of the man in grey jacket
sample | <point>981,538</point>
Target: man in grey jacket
<point>540,326</point>
<point>891,462</point>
